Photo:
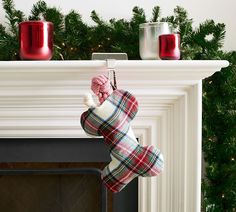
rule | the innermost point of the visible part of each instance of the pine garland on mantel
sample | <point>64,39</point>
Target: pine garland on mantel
<point>75,40</point>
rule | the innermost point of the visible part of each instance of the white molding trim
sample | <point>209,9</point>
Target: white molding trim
<point>45,99</point>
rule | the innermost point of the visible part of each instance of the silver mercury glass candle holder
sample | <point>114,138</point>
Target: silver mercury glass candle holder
<point>149,39</point>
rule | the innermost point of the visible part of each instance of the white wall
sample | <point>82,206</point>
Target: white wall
<point>199,10</point>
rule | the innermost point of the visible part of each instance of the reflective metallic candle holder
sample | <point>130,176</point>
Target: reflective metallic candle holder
<point>148,39</point>
<point>169,47</point>
<point>36,40</point>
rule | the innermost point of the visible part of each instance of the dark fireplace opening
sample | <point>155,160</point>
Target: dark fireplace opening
<point>52,190</point>
<point>55,174</point>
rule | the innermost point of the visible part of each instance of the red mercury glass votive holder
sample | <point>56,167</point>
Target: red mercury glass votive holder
<point>36,40</point>
<point>169,47</point>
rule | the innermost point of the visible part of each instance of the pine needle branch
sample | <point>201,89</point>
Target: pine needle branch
<point>38,10</point>
<point>13,16</point>
<point>138,16</point>
<point>96,18</point>
<point>156,13</point>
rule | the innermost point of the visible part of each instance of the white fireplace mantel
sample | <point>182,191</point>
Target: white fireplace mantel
<point>45,99</point>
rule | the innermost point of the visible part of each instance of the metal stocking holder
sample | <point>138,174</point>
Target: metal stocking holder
<point>110,64</point>
<point>111,72</point>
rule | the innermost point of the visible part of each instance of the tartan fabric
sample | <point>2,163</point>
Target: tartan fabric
<point>129,159</point>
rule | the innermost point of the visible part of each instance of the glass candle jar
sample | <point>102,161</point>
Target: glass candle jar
<point>36,40</point>
<point>148,39</point>
<point>169,45</point>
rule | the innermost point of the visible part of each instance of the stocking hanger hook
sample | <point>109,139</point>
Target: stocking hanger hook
<point>111,63</point>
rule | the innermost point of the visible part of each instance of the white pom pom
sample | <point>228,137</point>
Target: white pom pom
<point>88,100</point>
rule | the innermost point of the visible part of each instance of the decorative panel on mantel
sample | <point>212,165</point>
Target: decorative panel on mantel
<point>45,99</point>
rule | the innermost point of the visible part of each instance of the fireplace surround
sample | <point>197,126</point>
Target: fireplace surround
<point>44,99</point>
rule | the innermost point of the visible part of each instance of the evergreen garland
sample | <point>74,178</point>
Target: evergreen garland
<point>219,137</point>
<point>75,40</point>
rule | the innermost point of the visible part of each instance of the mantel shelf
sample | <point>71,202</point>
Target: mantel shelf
<point>120,64</point>
<point>137,69</point>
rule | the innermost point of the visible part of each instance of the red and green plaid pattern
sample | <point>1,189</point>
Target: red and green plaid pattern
<point>129,158</point>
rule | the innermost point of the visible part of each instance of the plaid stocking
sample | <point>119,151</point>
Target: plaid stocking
<point>129,159</point>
